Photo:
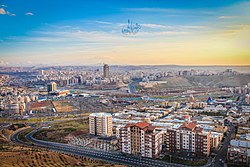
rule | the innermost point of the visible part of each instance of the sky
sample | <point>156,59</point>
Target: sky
<point>77,32</point>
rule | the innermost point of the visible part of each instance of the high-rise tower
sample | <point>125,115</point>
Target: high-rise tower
<point>51,87</point>
<point>106,71</point>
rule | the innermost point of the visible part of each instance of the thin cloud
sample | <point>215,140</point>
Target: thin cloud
<point>239,26</point>
<point>194,27</point>
<point>179,12</point>
<point>154,25</point>
<point>152,10</point>
<point>11,14</point>
<point>162,33</point>
<point>4,12</point>
<point>103,22</point>
<point>160,26</point>
<point>226,17</point>
<point>29,14</point>
<point>101,36</point>
<point>5,6</point>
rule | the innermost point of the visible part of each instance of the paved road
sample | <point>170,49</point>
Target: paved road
<point>111,157</point>
<point>15,138</point>
<point>222,154</point>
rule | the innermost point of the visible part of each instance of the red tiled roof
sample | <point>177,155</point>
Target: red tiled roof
<point>142,125</point>
<point>185,116</point>
<point>189,125</point>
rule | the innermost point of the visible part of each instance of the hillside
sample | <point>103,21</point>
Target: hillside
<point>206,81</point>
<point>220,81</point>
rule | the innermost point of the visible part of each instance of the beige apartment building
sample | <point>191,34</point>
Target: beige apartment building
<point>141,139</point>
<point>100,124</point>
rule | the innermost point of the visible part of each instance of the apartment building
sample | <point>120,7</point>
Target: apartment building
<point>239,152</point>
<point>215,140</point>
<point>188,138</point>
<point>100,124</point>
<point>141,139</point>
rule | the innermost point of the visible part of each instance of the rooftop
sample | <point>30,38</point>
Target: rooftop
<point>240,143</point>
<point>188,125</point>
<point>100,114</point>
<point>142,125</point>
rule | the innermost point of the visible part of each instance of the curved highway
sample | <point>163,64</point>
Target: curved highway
<point>110,157</point>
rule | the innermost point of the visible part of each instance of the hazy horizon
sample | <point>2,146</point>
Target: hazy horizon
<point>152,68</point>
<point>123,65</point>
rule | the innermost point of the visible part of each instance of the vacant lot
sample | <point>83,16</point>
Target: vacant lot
<point>59,130</point>
<point>64,106</point>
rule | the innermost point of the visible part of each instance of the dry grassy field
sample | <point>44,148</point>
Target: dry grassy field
<point>63,106</point>
<point>46,159</point>
<point>29,158</point>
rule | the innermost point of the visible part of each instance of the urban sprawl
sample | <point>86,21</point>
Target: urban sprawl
<point>166,115</point>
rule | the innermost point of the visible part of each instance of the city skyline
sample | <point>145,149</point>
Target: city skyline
<point>77,33</point>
